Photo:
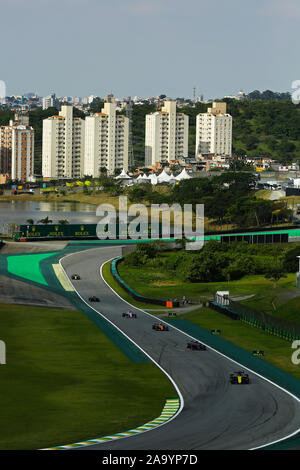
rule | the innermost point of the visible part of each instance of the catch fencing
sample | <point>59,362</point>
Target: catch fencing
<point>270,324</point>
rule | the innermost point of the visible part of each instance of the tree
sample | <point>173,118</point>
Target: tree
<point>275,272</point>
<point>63,222</point>
<point>30,221</point>
<point>45,221</point>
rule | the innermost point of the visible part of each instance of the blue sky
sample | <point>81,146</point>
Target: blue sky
<point>145,48</point>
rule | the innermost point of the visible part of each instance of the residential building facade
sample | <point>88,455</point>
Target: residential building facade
<point>106,141</point>
<point>214,131</point>
<point>49,101</point>
<point>17,150</point>
<point>166,135</point>
<point>63,145</point>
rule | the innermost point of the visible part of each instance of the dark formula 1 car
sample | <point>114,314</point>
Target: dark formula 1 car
<point>172,314</point>
<point>258,352</point>
<point>129,315</point>
<point>94,299</point>
<point>196,346</point>
<point>76,277</point>
<point>160,327</point>
<point>239,377</point>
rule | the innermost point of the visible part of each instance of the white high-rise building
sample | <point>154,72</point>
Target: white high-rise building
<point>167,134</point>
<point>49,101</point>
<point>17,150</point>
<point>106,141</point>
<point>63,145</point>
<point>214,131</point>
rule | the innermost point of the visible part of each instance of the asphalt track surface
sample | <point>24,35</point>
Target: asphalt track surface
<point>13,291</point>
<point>216,414</point>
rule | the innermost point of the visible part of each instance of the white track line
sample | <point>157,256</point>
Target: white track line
<point>218,352</point>
<point>139,347</point>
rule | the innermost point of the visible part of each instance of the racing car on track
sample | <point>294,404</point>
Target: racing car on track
<point>129,314</point>
<point>172,314</point>
<point>239,377</point>
<point>160,327</point>
<point>76,277</point>
<point>94,299</point>
<point>196,346</point>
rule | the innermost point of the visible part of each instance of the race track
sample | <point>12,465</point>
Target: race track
<point>216,414</point>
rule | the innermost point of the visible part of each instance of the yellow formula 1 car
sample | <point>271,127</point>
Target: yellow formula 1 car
<point>239,377</point>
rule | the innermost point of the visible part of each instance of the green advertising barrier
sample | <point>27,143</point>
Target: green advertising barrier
<point>88,231</point>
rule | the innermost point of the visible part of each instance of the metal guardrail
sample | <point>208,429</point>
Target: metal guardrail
<point>127,288</point>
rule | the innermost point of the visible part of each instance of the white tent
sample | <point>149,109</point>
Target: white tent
<point>153,178</point>
<point>123,175</point>
<point>183,175</point>
<point>164,177</point>
<point>297,183</point>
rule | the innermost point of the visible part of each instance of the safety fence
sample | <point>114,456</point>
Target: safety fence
<point>279,327</point>
<point>127,288</point>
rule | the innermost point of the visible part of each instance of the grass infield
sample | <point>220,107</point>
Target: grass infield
<point>65,381</point>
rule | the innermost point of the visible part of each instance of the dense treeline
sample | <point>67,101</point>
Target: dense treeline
<point>218,262</point>
<point>228,199</point>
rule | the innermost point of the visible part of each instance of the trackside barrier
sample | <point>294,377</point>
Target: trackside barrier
<point>274,326</point>
<point>224,309</point>
<point>127,288</point>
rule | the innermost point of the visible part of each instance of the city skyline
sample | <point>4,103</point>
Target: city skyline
<point>140,48</point>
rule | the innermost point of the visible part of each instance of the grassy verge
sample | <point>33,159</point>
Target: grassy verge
<point>64,381</point>
<point>150,281</point>
<point>278,304</point>
<point>278,352</point>
<point>95,199</point>
<point>110,280</point>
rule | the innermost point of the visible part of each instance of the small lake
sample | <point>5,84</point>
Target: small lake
<point>20,211</point>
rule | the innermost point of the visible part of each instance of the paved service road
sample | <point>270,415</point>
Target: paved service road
<point>216,414</point>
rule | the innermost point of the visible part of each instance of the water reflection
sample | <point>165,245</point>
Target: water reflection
<point>20,211</point>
